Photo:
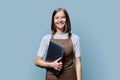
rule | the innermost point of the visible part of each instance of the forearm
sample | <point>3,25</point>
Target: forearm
<point>78,71</point>
<point>39,62</point>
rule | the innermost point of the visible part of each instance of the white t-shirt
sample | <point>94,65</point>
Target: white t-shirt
<point>45,42</point>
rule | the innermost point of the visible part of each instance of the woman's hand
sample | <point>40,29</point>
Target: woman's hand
<point>57,64</point>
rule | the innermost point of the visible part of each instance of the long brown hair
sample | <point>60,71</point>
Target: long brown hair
<point>67,28</point>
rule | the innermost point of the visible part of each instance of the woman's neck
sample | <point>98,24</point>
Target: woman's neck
<point>60,32</point>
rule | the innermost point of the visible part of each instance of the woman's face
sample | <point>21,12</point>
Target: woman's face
<point>59,20</point>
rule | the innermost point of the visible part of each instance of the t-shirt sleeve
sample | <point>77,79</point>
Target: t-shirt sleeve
<point>43,46</point>
<point>76,45</point>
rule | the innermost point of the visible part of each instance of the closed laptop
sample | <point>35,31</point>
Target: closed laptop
<point>54,52</point>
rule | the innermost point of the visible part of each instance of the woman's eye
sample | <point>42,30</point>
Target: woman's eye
<point>56,17</point>
<point>60,17</point>
<point>63,17</point>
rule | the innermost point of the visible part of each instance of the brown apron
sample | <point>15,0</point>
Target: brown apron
<point>68,71</point>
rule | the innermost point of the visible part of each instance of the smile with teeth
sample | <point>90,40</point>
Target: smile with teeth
<point>61,23</point>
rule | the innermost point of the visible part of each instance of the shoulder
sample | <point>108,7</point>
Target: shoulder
<point>75,37</point>
<point>46,37</point>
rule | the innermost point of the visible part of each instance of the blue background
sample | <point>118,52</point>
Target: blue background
<point>24,22</point>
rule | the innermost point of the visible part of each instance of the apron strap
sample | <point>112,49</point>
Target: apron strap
<point>52,36</point>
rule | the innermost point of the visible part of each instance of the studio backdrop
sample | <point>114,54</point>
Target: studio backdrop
<point>24,22</point>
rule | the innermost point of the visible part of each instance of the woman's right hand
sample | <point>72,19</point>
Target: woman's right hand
<point>57,64</point>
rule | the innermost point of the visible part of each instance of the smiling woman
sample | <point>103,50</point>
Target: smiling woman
<point>61,34</point>
<point>59,21</point>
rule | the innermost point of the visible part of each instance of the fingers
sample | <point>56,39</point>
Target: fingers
<point>60,63</point>
<point>59,68</point>
<point>57,64</point>
<point>58,59</point>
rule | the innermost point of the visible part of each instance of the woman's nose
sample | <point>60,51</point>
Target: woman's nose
<point>60,19</point>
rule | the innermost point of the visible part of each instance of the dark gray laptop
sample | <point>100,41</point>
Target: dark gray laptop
<point>54,52</point>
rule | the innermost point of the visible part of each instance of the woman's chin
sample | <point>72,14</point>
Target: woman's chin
<point>60,26</point>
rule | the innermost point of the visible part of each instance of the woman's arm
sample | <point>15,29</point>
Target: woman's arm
<point>39,62</point>
<point>78,68</point>
<point>55,64</point>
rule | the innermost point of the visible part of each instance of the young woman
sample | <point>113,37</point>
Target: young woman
<point>70,66</point>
